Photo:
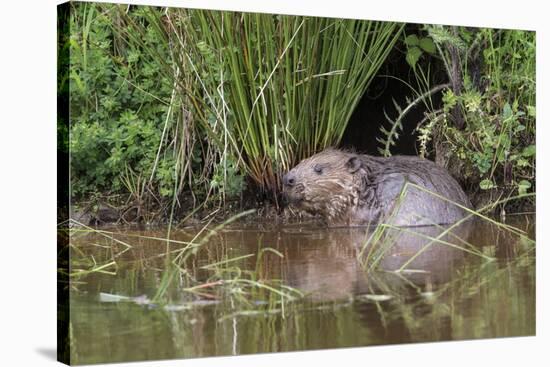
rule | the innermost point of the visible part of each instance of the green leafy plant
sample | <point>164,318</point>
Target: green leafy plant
<point>115,119</point>
<point>484,128</point>
<point>498,139</point>
<point>416,46</point>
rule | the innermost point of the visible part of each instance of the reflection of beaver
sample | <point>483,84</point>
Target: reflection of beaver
<point>324,264</point>
<point>356,189</point>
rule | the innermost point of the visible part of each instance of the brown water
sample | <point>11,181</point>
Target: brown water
<point>350,298</point>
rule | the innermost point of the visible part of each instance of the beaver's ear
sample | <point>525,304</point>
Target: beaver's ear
<point>353,164</point>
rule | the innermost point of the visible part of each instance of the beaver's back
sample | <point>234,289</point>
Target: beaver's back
<point>437,199</point>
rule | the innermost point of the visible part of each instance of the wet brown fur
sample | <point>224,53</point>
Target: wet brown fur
<point>355,189</point>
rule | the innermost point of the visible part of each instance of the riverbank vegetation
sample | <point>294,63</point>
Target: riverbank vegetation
<point>176,111</point>
<point>483,131</point>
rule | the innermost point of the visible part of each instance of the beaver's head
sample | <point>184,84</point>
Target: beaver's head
<point>327,183</point>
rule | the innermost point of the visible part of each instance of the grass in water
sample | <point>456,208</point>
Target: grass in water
<point>223,278</point>
<point>385,235</point>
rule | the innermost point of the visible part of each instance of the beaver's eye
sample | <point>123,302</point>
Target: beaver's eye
<point>318,169</point>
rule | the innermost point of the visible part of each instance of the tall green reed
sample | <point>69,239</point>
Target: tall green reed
<point>267,90</point>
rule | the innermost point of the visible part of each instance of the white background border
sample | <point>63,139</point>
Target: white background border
<point>28,182</point>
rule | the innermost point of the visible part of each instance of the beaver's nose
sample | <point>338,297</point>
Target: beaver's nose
<point>289,179</point>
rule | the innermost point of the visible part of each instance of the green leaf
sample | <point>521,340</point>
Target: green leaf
<point>413,54</point>
<point>449,99</point>
<point>515,105</point>
<point>531,111</point>
<point>522,162</point>
<point>427,45</point>
<point>411,40</point>
<point>529,151</point>
<point>506,111</point>
<point>519,128</point>
<point>523,186</point>
<point>487,184</point>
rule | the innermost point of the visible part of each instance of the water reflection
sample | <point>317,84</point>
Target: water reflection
<point>354,295</point>
<point>327,265</point>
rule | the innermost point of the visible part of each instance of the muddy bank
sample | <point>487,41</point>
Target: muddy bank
<point>108,210</point>
<point>105,210</point>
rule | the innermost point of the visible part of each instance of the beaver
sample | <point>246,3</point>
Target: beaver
<point>349,189</point>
